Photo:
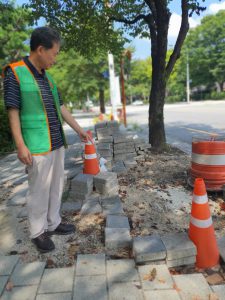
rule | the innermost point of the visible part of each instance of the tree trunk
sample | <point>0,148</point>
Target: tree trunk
<point>157,137</point>
<point>102,101</point>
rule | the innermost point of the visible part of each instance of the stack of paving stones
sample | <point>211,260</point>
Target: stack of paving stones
<point>106,183</point>
<point>175,249</point>
<point>82,186</point>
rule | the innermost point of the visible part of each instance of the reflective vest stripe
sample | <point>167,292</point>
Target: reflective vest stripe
<point>201,223</point>
<point>210,160</point>
<point>90,156</point>
<point>200,199</point>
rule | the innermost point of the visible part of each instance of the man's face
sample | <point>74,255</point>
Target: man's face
<point>47,57</point>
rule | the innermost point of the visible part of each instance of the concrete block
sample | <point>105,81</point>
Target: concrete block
<point>71,206</point>
<point>104,177</point>
<point>57,296</point>
<point>104,146</point>
<point>84,181</point>
<point>117,238</point>
<point>181,261</point>
<point>112,206</point>
<point>90,287</point>
<point>148,248</point>
<point>103,132</point>
<point>161,295</point>
<point>7,264</point>
<point>192,286</point>
<point>122,139</point>
<point>105,152</point>
<point>108,139</point>
<point>71,173</point>
<point>91,208</point>
<point>80,196</point>
<point>107,188</point>
<point>130,164</point>
<point>121,270</point>
<point>221,245</point>
<point>21,293</point>
<point>125,291</point>
<point>28,274</point>
<point>178,245</point>
<point>100,125</point>
<point>57,280</point>
<point>119,171</point>
<point>113,221</point>
<point>90,264</point>
<point>219,290</point>
<point>162,280</point>
<point>3,281</point>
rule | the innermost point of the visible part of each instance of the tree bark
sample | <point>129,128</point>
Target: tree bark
<point>102,101</point>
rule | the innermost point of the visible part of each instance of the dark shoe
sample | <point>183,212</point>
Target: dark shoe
<point>63,229</point>
<point>43,243</point>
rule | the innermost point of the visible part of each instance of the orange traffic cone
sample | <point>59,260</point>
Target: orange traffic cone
<point>201,230</point>
<point>91,165</point>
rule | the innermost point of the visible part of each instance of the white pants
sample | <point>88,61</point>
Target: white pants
<point>45,181</point>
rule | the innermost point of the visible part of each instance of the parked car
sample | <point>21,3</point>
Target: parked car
<point>137,102</point>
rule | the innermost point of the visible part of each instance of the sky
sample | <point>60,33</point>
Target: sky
<point>142,46</point>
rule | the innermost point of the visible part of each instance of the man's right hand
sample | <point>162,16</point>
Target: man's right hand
<point>24,155</point>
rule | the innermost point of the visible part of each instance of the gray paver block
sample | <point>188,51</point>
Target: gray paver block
<point>178,245</point>
<point>57,280</point>
<point>104,177</point>
<point>71,206</point>
<point>90,207</point>
<point>90,287</point>
<point>121,270</point>
<point>113,221</point>
<point>117,238</point>
<point>17,200</point>
<point>192,286</point>
<point>23,213</point>
<point>27,274</point>
<point>125,291</point>
<point>219,290</point>
<point>3,281</point>
<point>130,164</point>
<point>148,248</point>
<point>80,196</point>
<point>58,296</point>
<point>90,264</point>
<point>163,279</point>
<point>221,245</point>
<point>181,261</point>
<point>112,206</point>
<point>82,181</point>
<point>20,293</point>
<point>162,295</point>
<point>7,263</point>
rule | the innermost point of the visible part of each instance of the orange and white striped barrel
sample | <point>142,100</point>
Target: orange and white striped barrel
<point>208,162</point>
<point>201,230</point>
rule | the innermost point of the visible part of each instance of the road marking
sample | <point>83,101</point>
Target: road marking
<point>201,131</point>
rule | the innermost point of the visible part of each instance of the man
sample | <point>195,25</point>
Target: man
<point>35,114</point>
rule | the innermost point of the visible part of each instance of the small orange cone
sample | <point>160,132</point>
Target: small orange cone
<point>201,230</point>
<point>91,164</point>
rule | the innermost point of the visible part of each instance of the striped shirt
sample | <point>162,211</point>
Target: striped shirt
<point>12,98</point>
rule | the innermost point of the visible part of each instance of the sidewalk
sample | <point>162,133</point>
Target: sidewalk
<point>93,276</point>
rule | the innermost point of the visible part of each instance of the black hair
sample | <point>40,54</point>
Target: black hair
<point>44,36</point>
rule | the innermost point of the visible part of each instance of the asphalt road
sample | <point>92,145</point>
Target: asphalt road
<point>184,121</point>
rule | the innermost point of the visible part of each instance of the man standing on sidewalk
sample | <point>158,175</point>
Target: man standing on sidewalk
<point>36,113</point>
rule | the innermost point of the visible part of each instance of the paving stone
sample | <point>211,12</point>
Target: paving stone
<point>100,125</point>
<point>90,207</point>
<point>117,238</point>
<point>119,171</point>
<point>130,163</point>
<point>108,139</point>
<point>121,270</point>
<point>148,248</point>
<point>90,287</point>
<point>221,245</point>
<point>163,279</point>
<point>57,280</point>
<point>80,196</point>
<point>192,286</point>
<point>104,146</point>
<point>82,182</point>
<point>112,208</point>
<point>20,180</point>
<point>122,139</point>
<point>3,281</point>
<point>162,295</point>
<point>28,274</point>
<point>20,293</point>
<point>219,290</point>
<point>107,189</point>
<point>125,291</point>
<point>71,206</point>
<point>102,178</point>
<point>113,221</point>
<point>17,200</point>
<point>23,213</point>
<point>90,264</point>
<point>178,245</point>
<point>181,261</point>
<point>7,263</point>
<point>58,296</point>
